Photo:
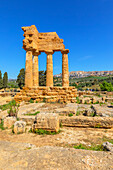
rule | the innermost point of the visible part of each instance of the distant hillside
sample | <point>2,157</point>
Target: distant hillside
<point>79,74</point>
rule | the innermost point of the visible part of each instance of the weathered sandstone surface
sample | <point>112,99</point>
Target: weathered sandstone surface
<point>27,157</point>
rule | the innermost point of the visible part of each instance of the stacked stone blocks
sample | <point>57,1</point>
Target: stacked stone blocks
<point>48,94</point>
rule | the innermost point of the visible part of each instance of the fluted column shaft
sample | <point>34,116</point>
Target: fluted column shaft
<point>29,70</point>
<point>65,69</point>
<point>49,71</point>
<point>35,71</point>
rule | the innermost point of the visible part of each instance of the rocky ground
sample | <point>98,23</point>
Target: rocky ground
<point>27,157</point>
<point>31,151</point>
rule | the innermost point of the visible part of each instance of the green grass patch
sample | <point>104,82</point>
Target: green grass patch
<point>32,114</point>
<point>44,100</point>
<point>8,105</point>
<point>31,101</point>
<point>96,102</point>
<point>92,147</point>
<point>2,125</point>
<point>78,113</point>
<point>101,103</point>
<point>78,100</point>
<point>61,126</point>
<point>92,114</point>
<point>97,126</point>
<point>45,132</point>
<point>105,139</point>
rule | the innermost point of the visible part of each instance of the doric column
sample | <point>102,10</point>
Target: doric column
<point>49,69</point>
<point>65,70</point>
<point>35,70</point>
<point>29,70</point>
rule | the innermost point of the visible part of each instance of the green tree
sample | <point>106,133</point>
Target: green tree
<point>5,80</point>
<point>21,78</point>
<point>42,78</point>
<point>106,86</point>
<point>1,81</point>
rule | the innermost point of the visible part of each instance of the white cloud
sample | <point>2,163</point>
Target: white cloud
<point>85,58</point>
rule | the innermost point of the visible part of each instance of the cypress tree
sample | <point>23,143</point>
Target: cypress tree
<point>42,78</point>
<point>1,81</point>
<point>5,80</point>
<point>21,78</point>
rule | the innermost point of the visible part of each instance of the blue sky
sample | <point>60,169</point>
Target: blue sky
<point>85,25</point>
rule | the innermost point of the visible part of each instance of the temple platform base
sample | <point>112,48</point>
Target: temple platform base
<point>47,94</point>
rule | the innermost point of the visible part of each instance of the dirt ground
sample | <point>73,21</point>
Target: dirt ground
<point>68,137</point>
<point>4,100</point>
<point>54,152</point>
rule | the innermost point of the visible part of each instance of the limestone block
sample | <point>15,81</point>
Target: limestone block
<point>19,127</point>
<point>47,121</point>
<point>9,122</point>
<point>83,121</point>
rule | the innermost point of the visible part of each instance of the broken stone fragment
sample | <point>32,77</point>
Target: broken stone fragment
<point>108,146</point>
<point>46,121</point>
<point>19,127</point>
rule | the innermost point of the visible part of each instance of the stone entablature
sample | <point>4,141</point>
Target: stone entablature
<point>41,42</point>
<point>35,43</point>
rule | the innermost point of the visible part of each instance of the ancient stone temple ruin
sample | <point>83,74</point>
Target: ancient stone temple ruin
<point>35,43</point>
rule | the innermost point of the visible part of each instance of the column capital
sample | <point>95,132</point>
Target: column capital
<point>29,52</point>
<point>65,51</point>
<point>49,52</point>
<point>36,53</point>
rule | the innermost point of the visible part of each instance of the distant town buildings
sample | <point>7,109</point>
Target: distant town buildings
<point>79,74</point>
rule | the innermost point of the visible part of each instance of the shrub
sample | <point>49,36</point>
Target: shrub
<point>106,86</point>
<point>44,100</point>
<point>78,113</point>
<point>61,124</point>
<point>7,106</point>
<point>31,101</point>
<point>13,111</point>
<point>70,114</point>
<point>78,101</point>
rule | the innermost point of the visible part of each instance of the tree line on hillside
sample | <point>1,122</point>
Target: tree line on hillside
<point>105,83</point>
<point>20,82</point>
<point>93,82</point>
<point>4,80</point>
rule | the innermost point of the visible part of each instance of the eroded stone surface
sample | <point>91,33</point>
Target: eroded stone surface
<point>9,122</point>
<point>25,156</point>
<point>46,121</point>
<point>83,121</point>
